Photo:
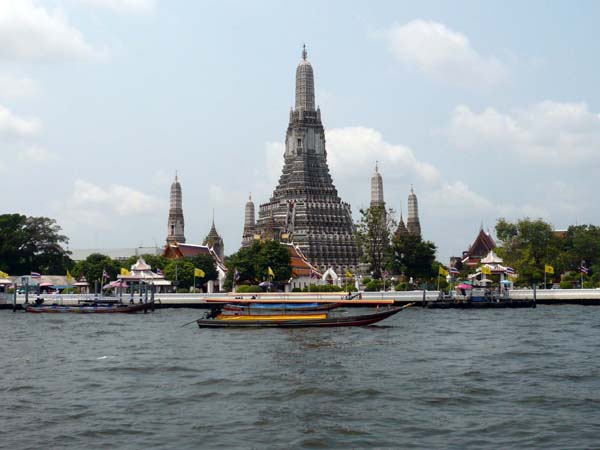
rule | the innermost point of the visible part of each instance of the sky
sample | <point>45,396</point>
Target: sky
<point>489,109</point>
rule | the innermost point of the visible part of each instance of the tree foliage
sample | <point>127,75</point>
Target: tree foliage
<point>528,245</point>
<point>373,233</point>
<point>93,266</point>
<point>32,244</point>
<point>414,257</point>
<point>252,263</point>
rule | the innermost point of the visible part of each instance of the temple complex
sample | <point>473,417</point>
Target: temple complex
<point>175,224</point>
<point>482,245</point>
<point>305,207</point>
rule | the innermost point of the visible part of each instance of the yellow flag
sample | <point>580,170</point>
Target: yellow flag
<point>349,274</point>
<point>3,274</point>
<point>486,270</point>
<point>125,272</point>
<point>69,277</point>
<point>549,269</point>
<point>257,237</point>
<point>443,271</point>
<point>285,235</point>
<point>199,273</point>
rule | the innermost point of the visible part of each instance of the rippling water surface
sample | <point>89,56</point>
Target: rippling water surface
<point>422,379</point>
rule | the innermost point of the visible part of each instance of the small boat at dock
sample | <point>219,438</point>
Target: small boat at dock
<point>88,307</point>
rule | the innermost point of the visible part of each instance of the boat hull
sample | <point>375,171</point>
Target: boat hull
<point>86,309</point>
<point>283,322</point>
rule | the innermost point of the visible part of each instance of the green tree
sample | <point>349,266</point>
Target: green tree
<point>252,263</point>
<point>413,257</point>
<point>527,246</point>
<point>93,266</point>
<point>373,233</point>
<point>207,264</point>
<point>180,271</point>
<point>32,244</point>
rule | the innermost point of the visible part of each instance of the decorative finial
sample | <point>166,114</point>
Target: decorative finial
<point>250,197</point>
<point>376,166</point>
<point>304,54</point>
<point>213,220</point>
<point>175,175</point>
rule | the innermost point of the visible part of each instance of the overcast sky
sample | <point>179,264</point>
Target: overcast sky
<point>490,109</point>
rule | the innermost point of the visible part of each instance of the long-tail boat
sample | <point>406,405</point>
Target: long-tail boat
<point>217,320</point>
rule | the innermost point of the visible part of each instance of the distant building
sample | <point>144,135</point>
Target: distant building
<point>115,253</point>
<point>175,224</point>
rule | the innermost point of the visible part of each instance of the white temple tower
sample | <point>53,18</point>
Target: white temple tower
<point>175,225</point>
<point>412,223</point>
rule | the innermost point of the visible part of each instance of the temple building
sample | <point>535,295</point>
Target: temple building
<point>305,207</point>
<point>412,223</point>
<point>175,224</point>
<point>215,241</point>
<point>482,245</point>
<point>401,230</point>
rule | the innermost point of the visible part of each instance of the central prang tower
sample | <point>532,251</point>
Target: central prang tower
<point>305,207</point>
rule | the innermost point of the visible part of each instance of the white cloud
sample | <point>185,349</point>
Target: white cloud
<point>35,154</point>
<point>123,6</point>
<point>13,125</point>
<point>352,150</point>
<point>116,199</point>
<point>12,86</point>
<point>443,54</point>
<point>548,132</point>
<point>28,32</point>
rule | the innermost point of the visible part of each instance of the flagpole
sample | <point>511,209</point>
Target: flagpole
<point>545,285</point>
<point>438,287</point>
<point>581,273</point>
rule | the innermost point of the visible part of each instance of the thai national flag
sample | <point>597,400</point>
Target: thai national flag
<point>159,272</point>
<point>584,269</point>
<point>105,275</point>
<point>35,275</point>
<point>454,271</point>
<point>510,271</point>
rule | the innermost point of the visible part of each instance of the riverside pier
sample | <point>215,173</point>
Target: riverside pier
<point>542,297</point>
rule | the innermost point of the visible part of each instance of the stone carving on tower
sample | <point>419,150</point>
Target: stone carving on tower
<point>305,207</point>
<point>249,223</point>
<point>175,224</point>
<point>412,223</point>
<point>214,241</point>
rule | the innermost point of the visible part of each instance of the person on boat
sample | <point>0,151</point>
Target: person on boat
<point>39,300</point>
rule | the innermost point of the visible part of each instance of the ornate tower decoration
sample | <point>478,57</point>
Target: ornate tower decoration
<point>412,223</point>
<point>377,188</point>
<point>214,240</point>
<point>249,223</point>
<point>175,224</point>
<point>305,207</point>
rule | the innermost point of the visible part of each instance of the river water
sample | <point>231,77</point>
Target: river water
<point>526,378</point>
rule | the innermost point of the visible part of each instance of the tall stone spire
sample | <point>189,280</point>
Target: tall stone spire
<point>305,207</point>
<point>214,240</point>
<point>305,84</point>
<point>412,223</point>
<point>175,224</point>
<point>249,222</point>
<point>377,188</point>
